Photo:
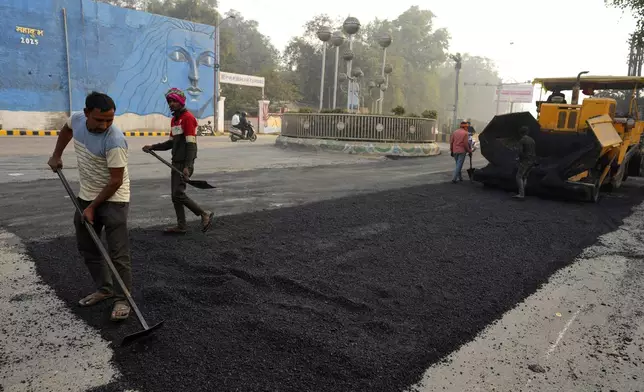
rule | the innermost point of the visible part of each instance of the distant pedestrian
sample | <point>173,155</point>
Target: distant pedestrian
<point>459,147</point>
<point>183,143</point>
<point>526,160</point>
<point>102,158</point>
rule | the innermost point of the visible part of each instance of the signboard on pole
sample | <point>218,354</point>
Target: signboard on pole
<point>517,93</point>
<point>241,80</point>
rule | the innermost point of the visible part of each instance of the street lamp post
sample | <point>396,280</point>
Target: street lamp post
<point>324,34</point>
<point>372,85</point>
<point>217,69</point>
<point>357,73</point>
<point>337,39</point>
<point>350,26</point>
<point>384,41</point>
<point>388,69</point>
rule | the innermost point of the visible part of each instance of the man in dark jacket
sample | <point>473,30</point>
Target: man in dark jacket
<point>183,143</point>
<point>527,159</point>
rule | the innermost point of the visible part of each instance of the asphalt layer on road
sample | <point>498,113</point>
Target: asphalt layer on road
<point>360,293</point>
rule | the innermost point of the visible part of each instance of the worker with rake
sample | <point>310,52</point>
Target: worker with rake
<point>104,197</point>
<point>183,143</point>
<point>526,160</point>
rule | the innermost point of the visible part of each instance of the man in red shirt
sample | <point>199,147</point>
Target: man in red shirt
<point>459,146</point>
<point>183,142</point>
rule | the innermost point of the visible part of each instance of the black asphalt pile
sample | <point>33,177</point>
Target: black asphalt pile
<point>355,294</point>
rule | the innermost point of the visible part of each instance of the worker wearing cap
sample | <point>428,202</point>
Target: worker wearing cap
<point>526,159</point>
<point>183,143</point>
<point>459,146</point>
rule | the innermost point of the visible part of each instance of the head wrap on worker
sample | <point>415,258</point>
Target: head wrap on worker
<point>176,95</point>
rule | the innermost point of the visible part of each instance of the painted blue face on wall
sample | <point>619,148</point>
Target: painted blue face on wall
<point>191,67</point>
<point>168,53</point>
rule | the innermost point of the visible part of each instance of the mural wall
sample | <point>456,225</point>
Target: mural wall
<point>132,56</point>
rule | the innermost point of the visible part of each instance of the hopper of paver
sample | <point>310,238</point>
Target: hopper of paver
<point>559,157</point>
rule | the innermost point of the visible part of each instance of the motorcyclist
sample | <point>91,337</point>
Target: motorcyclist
<point>244,125</point>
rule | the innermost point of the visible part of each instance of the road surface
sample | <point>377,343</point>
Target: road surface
<point>325,272</point>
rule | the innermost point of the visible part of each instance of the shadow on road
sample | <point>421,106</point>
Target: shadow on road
<point>361,293</point>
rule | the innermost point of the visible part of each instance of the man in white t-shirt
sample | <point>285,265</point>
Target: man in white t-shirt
<point>102,156</point>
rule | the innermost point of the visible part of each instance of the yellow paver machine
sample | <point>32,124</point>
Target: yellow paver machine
<point>581,148</point>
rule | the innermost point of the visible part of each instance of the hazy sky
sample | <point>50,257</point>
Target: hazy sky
<point>551,37</point>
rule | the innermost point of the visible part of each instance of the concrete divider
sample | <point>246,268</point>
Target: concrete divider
<point>420,149</point>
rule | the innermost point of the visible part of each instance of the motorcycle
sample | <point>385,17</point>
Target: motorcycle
<point>236,134</point>
<point>205,130</point>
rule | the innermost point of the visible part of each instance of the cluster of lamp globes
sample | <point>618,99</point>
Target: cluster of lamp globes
<point>350,27</point>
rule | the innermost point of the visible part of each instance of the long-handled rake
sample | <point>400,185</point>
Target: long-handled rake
<point>146,329</point>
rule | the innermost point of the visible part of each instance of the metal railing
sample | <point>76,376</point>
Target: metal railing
<point>358,127</point>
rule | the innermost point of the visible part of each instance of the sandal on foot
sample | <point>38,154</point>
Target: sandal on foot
<point>120,311</point>
<point>174,230</point>
<point>206,222</point>
<point>94,298</point>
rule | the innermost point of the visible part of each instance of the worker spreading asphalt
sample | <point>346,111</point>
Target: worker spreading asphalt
<point>361,293</point>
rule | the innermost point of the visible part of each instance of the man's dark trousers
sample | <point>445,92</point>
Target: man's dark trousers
<point>179,197</point>
<point>113,217</point>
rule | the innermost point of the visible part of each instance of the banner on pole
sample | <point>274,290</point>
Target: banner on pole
<point>517,93</point>
<point>241,80</point>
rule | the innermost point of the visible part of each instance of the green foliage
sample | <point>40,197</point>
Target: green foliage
<point>305,110</point>
<point>336,110</point>
<point>430,114</point>
<point>423,73</point>
<point>398,110</point>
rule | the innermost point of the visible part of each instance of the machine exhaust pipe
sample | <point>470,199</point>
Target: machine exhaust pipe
<point>576,88</point>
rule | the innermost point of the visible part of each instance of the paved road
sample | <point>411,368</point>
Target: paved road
<point>583,327</point>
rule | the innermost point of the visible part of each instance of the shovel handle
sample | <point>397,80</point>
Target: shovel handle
<point>154,154</point>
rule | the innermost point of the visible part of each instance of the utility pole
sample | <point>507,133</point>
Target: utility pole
<point>217,71</point>
<point>459,62</point>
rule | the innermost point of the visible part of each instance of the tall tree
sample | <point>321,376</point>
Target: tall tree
<point>416,52</point>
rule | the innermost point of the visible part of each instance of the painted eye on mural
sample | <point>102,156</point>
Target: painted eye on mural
<point>207,59</point>
<point>178,55</point>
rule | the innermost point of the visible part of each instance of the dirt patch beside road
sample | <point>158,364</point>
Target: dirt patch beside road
<point>355,294</point>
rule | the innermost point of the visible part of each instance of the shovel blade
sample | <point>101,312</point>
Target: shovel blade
<point>200,184</point>
<point>129,339</point>
<point>470,173</point>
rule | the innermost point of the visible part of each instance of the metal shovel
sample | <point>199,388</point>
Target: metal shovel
<point>146,329</point>
<point>470,171</point>
<point>200,184</point>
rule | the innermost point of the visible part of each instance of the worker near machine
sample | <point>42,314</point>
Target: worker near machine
<point>459,146</point>
<point>183,143</point>
<point>471,132</point>
<point>470,128</point>
<point>526,160</point>
<point>102,156</point>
